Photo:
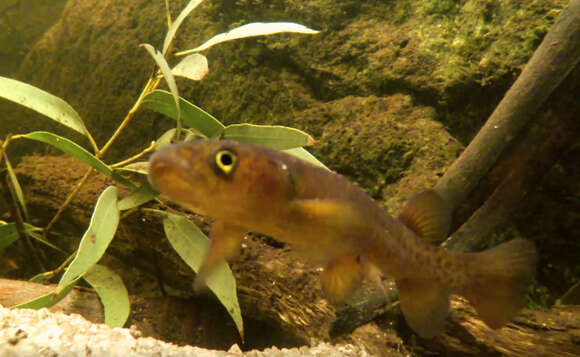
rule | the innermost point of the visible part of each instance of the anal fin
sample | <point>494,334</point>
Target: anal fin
<point>425,305</point>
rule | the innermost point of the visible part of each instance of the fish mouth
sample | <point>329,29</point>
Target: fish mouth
<point>165,165</point>
<point>172,176</point>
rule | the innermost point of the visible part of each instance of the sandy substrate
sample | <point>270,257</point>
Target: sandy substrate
<point>27,333</point>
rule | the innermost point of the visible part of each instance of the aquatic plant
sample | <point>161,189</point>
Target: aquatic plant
<point>191,121</point>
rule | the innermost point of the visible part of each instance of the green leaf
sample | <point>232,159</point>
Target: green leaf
<point>178,21</point>
<point>34,232</point>
<point>193,67</point>
<point>96,239</point>
<point>168,13</point>
<point>193,116</point>
<point>8,235</point>
<point>191,244</point>
<point>16,187</point>
<point>69,147</point>
<point>46,300</point>
<point>273,136</point>
<point>138,167</point>
<point>40,278</point>
<point>112,292</point>
<point>165,139</point>
<point>42,102</point>
<point>164,67</point>
<point>251,30</point>
<point>142,195</point>
<point>305,155</point>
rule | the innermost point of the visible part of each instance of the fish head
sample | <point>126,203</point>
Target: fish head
<point>222,179</point>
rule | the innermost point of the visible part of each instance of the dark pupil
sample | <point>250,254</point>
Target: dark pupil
<point>226,159</point>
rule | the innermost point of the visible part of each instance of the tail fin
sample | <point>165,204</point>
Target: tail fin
<point>501,279</point>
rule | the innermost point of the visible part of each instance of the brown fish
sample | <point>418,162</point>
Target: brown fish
<point>339,227</point>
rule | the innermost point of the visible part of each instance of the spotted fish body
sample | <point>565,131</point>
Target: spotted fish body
<point>338,226</point>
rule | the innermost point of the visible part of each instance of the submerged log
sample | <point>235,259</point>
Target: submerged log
<point>533,333</point>
<point>79,301</point>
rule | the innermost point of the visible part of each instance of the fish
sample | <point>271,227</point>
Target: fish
<point>339,227</point>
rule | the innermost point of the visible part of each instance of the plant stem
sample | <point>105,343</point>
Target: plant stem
<point>50,274</point>
<point>4,146</point>
<point>152,83</point>
<point>93,142</point>
<point>134,157</point>
<point>67,201</point>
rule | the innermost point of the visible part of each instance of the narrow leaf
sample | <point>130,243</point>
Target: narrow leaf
<point>305,155</point>
<point>138,167</point>
<point>46,300</point>
<point>8,235</point>
<point>178,21</point>
<point>251,30</point>
<point>168,14</point>
<point>42,102</point>
<point>193,116</point>
<point>194,67</point>
<point>165,139</point>
<point>96,239</point>
<point>164,67</point>
<point>274,136</point>
<point>142,195</point>
<point>16,188</point>
<point>112,292</point>
<point>70,147</point>
<point>34,235</point>
<point>191,244</point>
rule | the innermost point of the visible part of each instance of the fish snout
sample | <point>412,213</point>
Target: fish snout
<point>166,165</point>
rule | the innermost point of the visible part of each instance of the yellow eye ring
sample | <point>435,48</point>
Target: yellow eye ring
<point>225,161</point>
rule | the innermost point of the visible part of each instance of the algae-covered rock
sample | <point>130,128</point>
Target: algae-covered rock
<point>22,23</point>
<point>455,58</point>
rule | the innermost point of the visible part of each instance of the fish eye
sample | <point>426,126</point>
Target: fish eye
<point>225,161</point>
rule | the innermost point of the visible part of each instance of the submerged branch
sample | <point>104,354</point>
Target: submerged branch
<point>522,169</point>
<point>552,61</point>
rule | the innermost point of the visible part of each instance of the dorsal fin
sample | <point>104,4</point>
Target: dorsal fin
<point>428,215</point>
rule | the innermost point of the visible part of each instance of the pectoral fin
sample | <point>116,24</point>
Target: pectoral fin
<point>224,245</point>
<point>324,210</point>
<point>425,305</point>
<point>428,215</point>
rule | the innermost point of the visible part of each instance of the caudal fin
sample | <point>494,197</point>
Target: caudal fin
<point>502,276</point>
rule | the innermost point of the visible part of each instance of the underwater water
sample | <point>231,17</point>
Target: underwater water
<point>387,94</point>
